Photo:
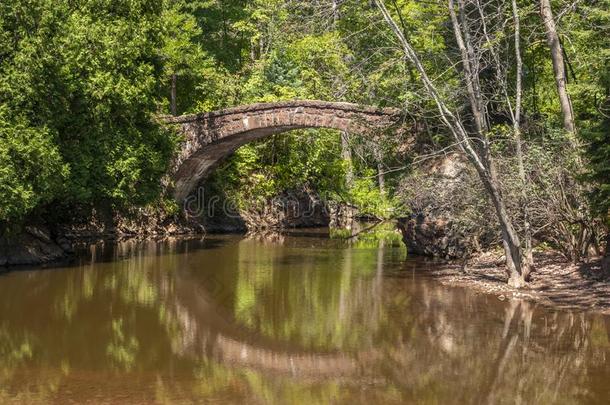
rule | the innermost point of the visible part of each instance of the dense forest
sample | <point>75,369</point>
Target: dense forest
<point>520,89</point>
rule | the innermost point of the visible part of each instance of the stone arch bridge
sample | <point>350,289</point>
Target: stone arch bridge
<point>213,136</point>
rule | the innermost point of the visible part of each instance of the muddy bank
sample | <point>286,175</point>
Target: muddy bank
<point>555,283</point>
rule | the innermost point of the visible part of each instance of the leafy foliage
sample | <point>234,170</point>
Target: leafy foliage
<point>81,82</point>
<point>31,168</point>
<point>301,159</point>
<point>84,81</point>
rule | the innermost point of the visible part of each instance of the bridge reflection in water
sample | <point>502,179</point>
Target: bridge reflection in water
<point>293,320</point>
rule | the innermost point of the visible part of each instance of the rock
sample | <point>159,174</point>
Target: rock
<point>34,246</point>
<point>449,219</point>
<point>434,237</point>
<point>65,244</point>
<point>39,233</point>
<point>291,209</point>
<point>303,208</point>
<point>343,216</point>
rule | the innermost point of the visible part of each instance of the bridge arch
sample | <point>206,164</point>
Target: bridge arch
<point>213,136</point>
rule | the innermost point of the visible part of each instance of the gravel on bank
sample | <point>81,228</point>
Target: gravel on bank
<point>555,282</point>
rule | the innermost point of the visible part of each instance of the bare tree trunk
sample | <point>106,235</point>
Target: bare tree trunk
<point>573,198</point>
<point>378,155</point>
<point>335,12</point>
<point>172,102</point>
<point>606,259</point>
<point>346,155</point>
<point>527,231</point>
<point>558,65</point>
<point>482,163</point>
<point>380,178</point>
<point>346,152</point>
<point>518,269</point>
<point>470,73</point>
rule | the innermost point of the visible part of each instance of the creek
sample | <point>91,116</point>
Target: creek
<point>294,318</point>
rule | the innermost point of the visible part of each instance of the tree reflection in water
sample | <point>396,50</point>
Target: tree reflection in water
<point>293,319</point>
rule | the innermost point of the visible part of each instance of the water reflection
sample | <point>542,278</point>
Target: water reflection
<point>283,320</point>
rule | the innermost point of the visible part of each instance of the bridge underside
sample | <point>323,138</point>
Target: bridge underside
<point>203,162</point>
<point>212,137</point>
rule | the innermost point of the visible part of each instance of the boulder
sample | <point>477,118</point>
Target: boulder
<point>450,217</point>
<point>434,237</point>
<point>291,209</point>
<point>32,246</point>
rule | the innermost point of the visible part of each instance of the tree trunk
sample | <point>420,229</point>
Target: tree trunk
<point>380,178</point>
<point>335,12</point>
<point>172,102</point>
<point>517,269</point>
<point>606,259</point>
<point>527,231</point>
<point>482,162</point>
<point>346,155</point>
<point>470,75</point>
<point>558,65</point>
<point>346,152</point>
<point>377,153</point>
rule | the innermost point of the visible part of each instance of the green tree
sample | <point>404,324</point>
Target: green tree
<point>84,78</point>
<point>31,168</point>
<point>183,58</point>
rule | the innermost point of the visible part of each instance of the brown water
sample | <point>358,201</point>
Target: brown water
<point>297,319</point>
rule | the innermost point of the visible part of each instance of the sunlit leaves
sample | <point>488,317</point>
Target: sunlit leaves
<point>84,78</point>
<point>31,167</point>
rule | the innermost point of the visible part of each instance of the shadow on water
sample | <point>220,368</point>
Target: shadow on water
<point>110,250</point>
<point>286,319</point>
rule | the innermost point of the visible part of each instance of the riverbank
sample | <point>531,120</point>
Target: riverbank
<point>41,242</point>
<point>42,245</point>
<point>555,283</point>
